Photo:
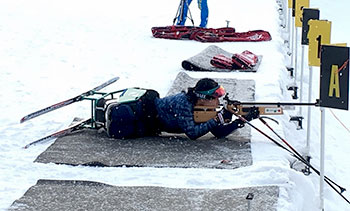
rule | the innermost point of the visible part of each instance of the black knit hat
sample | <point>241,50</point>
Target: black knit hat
<point>205,84</point>
<point>205,88</point>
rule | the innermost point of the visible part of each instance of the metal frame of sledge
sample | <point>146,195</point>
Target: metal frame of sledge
<point>96,96</point>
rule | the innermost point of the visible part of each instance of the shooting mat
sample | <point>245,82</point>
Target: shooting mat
<point>94,148</point>
<point>85,195</point>
<point>201,61</point>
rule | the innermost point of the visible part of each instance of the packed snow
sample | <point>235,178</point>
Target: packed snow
<point>54,50</point>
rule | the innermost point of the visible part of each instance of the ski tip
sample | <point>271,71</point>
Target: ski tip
<point>25,118</point>
<point>22,120</point>
<point>114,79</point>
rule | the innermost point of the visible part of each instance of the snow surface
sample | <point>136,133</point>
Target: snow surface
<point>53,50</point>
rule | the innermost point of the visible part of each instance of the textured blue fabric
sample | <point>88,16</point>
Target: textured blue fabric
<point>203,6</point>
<point>122,122</point>
<point>176,116</point>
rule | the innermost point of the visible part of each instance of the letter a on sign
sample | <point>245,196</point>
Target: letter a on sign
<point>334,80</point>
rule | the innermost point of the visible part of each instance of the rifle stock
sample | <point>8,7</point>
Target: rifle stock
<point>204,113</point>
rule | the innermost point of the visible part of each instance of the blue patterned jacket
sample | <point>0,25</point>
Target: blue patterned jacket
<point>176,116</point>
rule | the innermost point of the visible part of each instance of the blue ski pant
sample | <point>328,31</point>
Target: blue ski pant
<point>203,6</point>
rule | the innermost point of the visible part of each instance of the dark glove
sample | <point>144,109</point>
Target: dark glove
<point>253,114</point>
<point>224,116</point>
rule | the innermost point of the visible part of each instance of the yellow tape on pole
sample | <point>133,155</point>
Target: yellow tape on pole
<point>299,6</point>
<point>319,34</point>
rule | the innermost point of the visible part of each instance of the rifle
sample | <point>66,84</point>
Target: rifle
<point>203,113</point>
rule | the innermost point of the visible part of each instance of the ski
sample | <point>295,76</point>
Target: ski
<point>67,102</point>
<point>60,133</point>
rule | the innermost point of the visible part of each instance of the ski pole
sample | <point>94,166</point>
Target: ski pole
<point>302,160</point>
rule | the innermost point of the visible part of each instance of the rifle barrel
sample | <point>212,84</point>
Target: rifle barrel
<point>278,103</point>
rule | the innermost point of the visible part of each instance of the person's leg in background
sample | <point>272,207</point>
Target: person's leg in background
<point>203,6</point>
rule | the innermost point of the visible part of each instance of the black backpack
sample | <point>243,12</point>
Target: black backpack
<point>132,115</point>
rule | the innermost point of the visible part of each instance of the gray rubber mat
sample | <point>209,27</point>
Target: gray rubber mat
<point>88,147</point>
<point>201,61</point>
<point>86,195</point>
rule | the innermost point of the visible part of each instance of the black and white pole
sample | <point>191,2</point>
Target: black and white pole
<point>308,14</point>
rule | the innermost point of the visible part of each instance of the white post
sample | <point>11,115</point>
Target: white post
<point>309,113</point>
<point>292,45</point>
<point>301,79</point>
<point>288,24</point>
<point>285,10</point>
<point>322,153</point>
<point>296,56</point>
<point>284,13</point>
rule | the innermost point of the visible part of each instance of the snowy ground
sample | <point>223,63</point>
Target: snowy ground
<point>54,50</point>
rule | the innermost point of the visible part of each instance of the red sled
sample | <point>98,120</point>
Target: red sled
<point>226,34</point>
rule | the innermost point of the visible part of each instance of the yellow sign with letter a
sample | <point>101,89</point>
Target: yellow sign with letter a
<point>334,88</point>
<point>334,77</point>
